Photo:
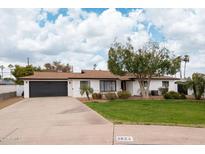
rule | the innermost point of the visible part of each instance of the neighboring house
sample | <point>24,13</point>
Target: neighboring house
<point>6,82</point>
<point>68,84</point>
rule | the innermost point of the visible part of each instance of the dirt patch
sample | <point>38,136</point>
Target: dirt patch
<point>10,101</point>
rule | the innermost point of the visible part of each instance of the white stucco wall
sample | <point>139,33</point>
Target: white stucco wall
<point>118,85</point>
<point>129,87</point>
<point>134,88</point>
<point>94,83</point>
<point>190,91</point>
<point>26,89</point>
<point>172,85</point>
<point>70,88</point>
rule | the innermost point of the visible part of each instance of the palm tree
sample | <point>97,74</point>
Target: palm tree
<point>87,90</point>
<point>2,71</point>
<point>197,83</point>
<point>10,66</point>
<point>179,58</point>
<point>186,60</point>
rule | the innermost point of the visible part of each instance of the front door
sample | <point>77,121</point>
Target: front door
<point>123,85</point>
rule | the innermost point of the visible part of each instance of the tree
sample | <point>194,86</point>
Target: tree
<point>48,66</point>
<point>94,66</point>
<point>143,64</point>
<point>21,71</point>
<point>186,60</point>
<point>197,83</point>
<point>87,90</point>
<point>10,66</point>
<point>2,70</point>
<point>57,66</point>
<point>180,62</point>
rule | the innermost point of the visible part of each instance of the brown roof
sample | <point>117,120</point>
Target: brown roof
<point>85,74</point>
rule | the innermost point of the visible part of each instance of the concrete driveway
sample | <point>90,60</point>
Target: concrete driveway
<point>64,120</point>
<point>53,120</point>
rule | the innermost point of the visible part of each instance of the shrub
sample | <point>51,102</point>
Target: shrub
<point>163,90</point>
<point>97,96</point>
<point>110,96</point>
<point>174,95</point>
<point>123,94</point>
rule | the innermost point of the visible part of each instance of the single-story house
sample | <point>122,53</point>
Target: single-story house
<point>68,84</point>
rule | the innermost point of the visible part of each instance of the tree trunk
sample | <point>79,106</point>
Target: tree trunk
<point>180,70</point>
<point>87,94</point>
<point>185,70</point>
<point>147,89</point>
<point>143,90</point>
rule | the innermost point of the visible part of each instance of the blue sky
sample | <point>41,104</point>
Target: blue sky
<point>82,37</point>
<point>156,34</point>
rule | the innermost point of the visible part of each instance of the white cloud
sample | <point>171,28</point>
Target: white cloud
<point>54,11</point>
<point>80,38</point>
<point>184,31</point>
<point>83,39</point>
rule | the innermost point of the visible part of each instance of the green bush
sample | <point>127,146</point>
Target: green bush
<point>174,95</point>
<point>110,96</point>
<point>123,94</point>
<point>97,96</point>
<point>163,90</point>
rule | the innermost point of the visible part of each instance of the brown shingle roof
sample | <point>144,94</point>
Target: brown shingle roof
<point>85,74</point>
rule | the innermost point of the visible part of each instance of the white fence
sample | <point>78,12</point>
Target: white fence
<point>12,88</point>
<point>19,90</point>
<point>7,88</point>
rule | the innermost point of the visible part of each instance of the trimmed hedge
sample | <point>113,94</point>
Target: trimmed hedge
<point>174,95</point>
<point>123,94</point>
<point>97,96</point>
<point>110,96</point>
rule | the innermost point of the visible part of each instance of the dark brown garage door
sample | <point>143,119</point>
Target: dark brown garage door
<point>47,88</point>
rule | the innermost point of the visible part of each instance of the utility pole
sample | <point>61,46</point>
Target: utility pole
<point>27,61</point>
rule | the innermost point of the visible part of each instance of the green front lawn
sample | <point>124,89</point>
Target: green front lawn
<point>162,112</point>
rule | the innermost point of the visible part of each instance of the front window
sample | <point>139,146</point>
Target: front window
<point>84,83</point>
<point>107,85</point>
<point>165,84</point>
<point>145,83</point>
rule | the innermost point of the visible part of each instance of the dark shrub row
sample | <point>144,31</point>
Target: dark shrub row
<point>97,96</point>
<point>112,95</point>
<point>123,94</point>
<point>174,95</point>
